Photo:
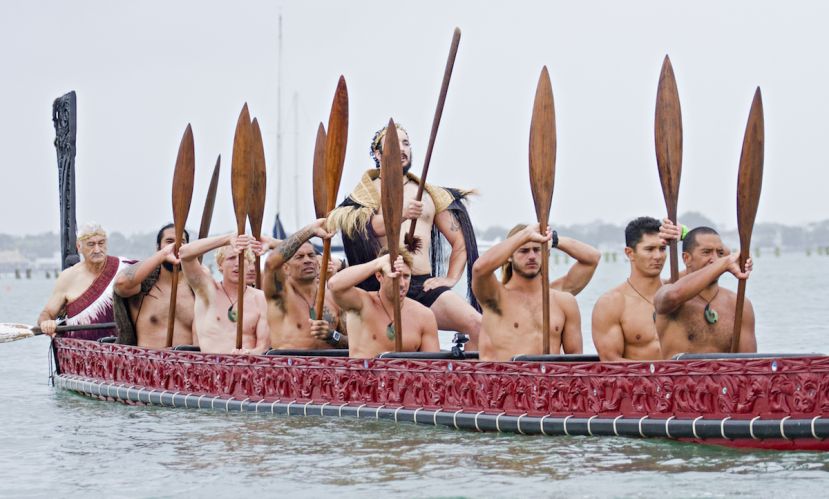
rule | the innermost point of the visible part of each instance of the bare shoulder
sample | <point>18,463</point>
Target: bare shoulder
<point>611,301</point>
<point>563,298</point>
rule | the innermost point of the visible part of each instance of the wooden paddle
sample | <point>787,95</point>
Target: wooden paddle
<point>240,187</point>
<point>256,208</point>
<point>11,331</point>
<point>413,243</point>
<point>210,200</point>
<point>334,158</point>
<point>391,201</point>
<point>749,183</point>
<point>668,136</point>
<point>319,183</point>
<point>542,180</point>
<point>182,196</point>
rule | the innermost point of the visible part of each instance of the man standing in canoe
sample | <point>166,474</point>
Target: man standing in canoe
<point>291,283</point>
<point>142,298</point>
<point>441,212</point>
<point>624,318</point>
<point>512,318</point>
<point>695,314</point>
<point>370,313</point>
<point>83,292</point>
<point>216,310</point>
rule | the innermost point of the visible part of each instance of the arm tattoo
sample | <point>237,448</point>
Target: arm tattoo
<point>454,226</point>
<point>292,244</point>
<point>130,271</point>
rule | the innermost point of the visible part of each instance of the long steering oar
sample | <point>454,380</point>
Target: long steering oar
<point>319,183</point>
<point>749,183</point>
<point>12,331</point>
<point>668,135</point>
<point>256,208</point>
<point>391,201</point>
<point>182,196</point>
<point>210,200</point>
<point>542,180</point>
<point>240,187</point>
<point>413,243</point>
<point>334,158</point>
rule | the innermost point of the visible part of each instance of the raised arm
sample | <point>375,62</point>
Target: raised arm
<point>587,259</point>
<point>608,336</point>
<point>343,285</point>
<point>128,281</point>
<point>196,275</point>
<point>672,295</point>
<point>274,279</point>
<point>571,341</point>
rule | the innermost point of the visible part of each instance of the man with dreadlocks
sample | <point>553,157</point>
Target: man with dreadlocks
<point>141,298</point>
<point>513,321</point>
<point>441,214</point>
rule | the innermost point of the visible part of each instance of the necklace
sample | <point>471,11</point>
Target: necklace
<point>231,314</point>
<point>643,297</point>
<point>711,315</point>
<point>390,328</point>
<point>311,312</point>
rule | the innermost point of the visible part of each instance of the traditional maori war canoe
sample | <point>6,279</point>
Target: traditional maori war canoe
<point>764,401</point>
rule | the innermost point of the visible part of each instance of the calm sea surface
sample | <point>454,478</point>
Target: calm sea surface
<point>53,443</point>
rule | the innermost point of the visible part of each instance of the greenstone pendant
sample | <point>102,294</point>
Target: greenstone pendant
<point>390,331</point>
<point>231,314</point>
<point>312,313</point>
<point>711,315</point>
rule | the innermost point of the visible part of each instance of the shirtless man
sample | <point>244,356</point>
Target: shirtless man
<point>370,316</point>
<point>291,284</point>
<point>83,292</point>
<point>512,319</point>
<point>624,317</point>
<point>695,314</point>
<point>149,307</point>
<point>215,308</point>
<point>361,220</point>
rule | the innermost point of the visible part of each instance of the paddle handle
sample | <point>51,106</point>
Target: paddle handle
<point>545,293</point>
<point>258,272</point>
<point>738,313</point>
<point>171,316</point>
<point>444,88</point>
<point>398,320</point>
<point>240,300</point>
<point>326,257</point>
<point>76,327</point>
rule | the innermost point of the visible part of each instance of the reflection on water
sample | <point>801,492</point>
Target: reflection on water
<point>59,443</point>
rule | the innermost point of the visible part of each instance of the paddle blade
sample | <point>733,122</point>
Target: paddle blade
<point>391,187</point>
<point>240,169</point>
<point>750,176</point>
<point>256,206</point>
<point>210,200</point>
<point>543,147</point>
<point>668,136</point>
<point>183,182</point>
<point>320,183</point>
<point>335,143</point>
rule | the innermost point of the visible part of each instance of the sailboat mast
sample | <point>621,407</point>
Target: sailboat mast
<point>279,120</point>
<point>296,158</point>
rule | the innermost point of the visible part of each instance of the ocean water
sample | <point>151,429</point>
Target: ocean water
<point>53,443</point>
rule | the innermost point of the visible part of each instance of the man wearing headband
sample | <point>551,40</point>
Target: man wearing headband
<point>216,303</point>
<point>142,298</point>
<point>83,292</point>
<point>441,214</point>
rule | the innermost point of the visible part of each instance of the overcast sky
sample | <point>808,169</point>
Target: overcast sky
<point>143,70</point>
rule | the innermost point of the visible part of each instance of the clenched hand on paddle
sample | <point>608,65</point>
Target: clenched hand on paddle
<point>182,196</point>
<point>542,180</point>
<point>391,201</point>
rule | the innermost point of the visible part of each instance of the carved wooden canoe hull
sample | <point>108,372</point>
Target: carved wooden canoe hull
<point>772,402</point>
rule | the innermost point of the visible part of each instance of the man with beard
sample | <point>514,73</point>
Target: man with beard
<point>216,308</point>
<point>142,298</point>
<point>291,283</point>
<point>512,309</point>
<point>624,317</point>
<point>695,314</point>
<point>440,213</point>
<point>83,292</point>
<point>370,314</point>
